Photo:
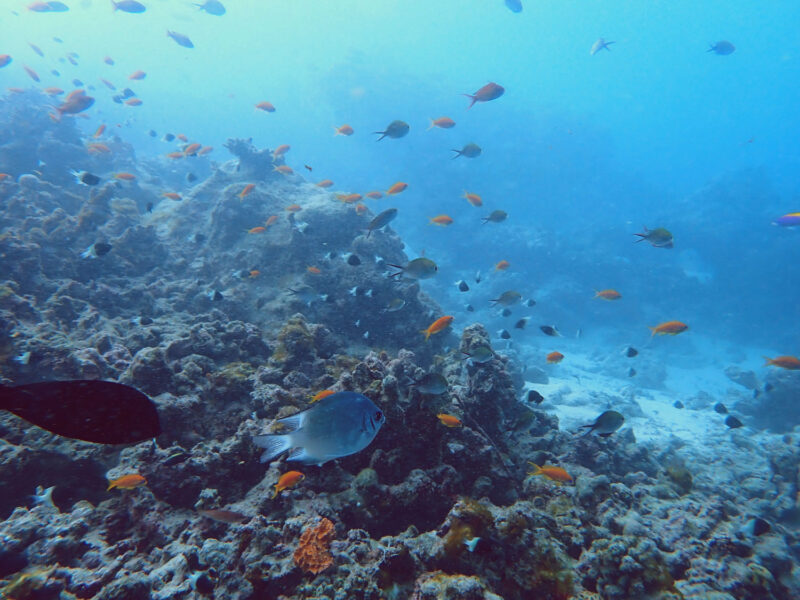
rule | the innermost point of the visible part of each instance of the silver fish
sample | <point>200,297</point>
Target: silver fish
<point>339,425</point>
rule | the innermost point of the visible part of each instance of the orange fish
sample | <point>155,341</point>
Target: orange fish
<point>97,148</point>
<point>254,273</point>
<point>438,325</point>
<point>285,169</point>
<point>669,328</point>
<point>554,358</point>
<point>172,195</point>
<point>271,221</point>
<point>608,295</point>
<point>4,60</point>
<point>396,188</point>
<point>53,91</point>
<point>265,106</point>
<point>442,220</point>
<point>325,183</point>
<point>133,102</point>
<point>100,131</point>
<point>205,150</point>
<point>76,102</point>
<point>294,208</point>
<point>258,229</point>
<point>182,137</point>
<point>449,420</point>
<point>127,482</point>
<point>344,130</point>
<point>192,149</point>
<point>247,189</point>
<point>502,265</point>
<point>374,195</point>
<point>175,155</point>
<point>442,123</point>
<point>348,198</point>
<point>31,73</point>
<point>137,75</point>
<point>313,270</point>
<point>125,176</point>
<point>4,176</point>
<point>556,474</point>
<point>784,362</point>
<point>320,395</point>
<point>361,208</point>
<point>287,480</point>
<point>473,199</point>
<point>280,150</point>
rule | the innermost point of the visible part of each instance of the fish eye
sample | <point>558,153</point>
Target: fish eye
<point>379,416</point>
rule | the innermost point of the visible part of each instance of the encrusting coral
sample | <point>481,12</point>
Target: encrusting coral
<point>313,552</point>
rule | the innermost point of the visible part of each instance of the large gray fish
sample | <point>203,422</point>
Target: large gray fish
<point>339,425</point>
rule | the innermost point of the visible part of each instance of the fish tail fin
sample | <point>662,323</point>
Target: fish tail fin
<point>275,495</point>
<point>458,153</point>
<point>114,5</point>
<point>653,331</point>
<point>537,470</point>
<point>381,133</point>
<point>768,361</point>
<point>710,48</point>
<point>473,98</point>
<point>273,445</point>
<point>336,131</point>
<point>431,126</point>
<point>426,332</point>
<point>589,429</point>
<point>642,236</point>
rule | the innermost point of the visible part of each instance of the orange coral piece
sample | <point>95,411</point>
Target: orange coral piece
<point>313,553</point>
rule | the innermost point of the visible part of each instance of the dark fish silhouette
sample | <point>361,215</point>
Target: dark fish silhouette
<point>102,412</point>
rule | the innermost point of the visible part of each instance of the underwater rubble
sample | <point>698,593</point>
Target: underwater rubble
<point>424,512</point>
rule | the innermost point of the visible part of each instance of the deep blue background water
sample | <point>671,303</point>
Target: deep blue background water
<point>581,150</point>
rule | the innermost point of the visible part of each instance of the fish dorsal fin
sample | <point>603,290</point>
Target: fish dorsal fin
<point>294,422</point>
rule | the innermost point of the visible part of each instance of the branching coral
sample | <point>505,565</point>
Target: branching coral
<point>313,553</point>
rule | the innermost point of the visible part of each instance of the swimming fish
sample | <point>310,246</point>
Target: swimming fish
<point>352,259</point>
<point>247,189</point>
<point>127,482</point>
<point>658,237</point>
<point>265,106</point>
<point>85,178</point>
<point>550,330</point>
<point>521,323</point>
<point>470,150</point>
<point>212,7</point>
<point>508,298</point>
<point>449,420</point>
<point>600,44</point>
<point>630,352</point>
<point>473,199</point>
<point>374,195</point>
<point>553,473</point>
<point>381,220</point>
<point>343,130</point>
<point>784,362</point>
<point>462,286</point>
<point>325,183</point>
<point>287,480</point>
<point>180,39</point>
<point>394,305</point>
<point>504,334</point>
<point>723,48</point>
<point>419,268</point>
<point>554,358</point>
<point>176,458</point>
<point>491,91</point>
<point>720,408</point>
<point>514,6</point>
<point>606,424</point>
<point>434,384</point>
<point>733,422</point>
<point>669,328</point>
<point>128,6</point>
<point>442,123</point>
<point>502,265</point>
<point>224,516</point>
<point>496,216</point>
<point>441,220</point>
<point>320,395</point>
<point>438,325</point>
<point>607,294</point>
<point>788,220</point>
<point>677,404</point>
<point>96,250</point>
<point>480,354</point>
<point>75,102</point>
<point>4,60</point>
<point>535,397</point>
<point>395,130</point>
<point>396,188</point>
<point>339,425</point>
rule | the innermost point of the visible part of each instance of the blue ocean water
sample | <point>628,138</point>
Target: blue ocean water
<point>583,150</point>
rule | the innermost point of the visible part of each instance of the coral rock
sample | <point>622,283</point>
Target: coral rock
<point>313,553</point>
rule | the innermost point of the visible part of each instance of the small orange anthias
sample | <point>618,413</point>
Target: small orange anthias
<point>669,328</point>
<point>784,362</point>
<point>554,358</point>
<point>557,474</point>
<point>126,482</point>
<point>438,325</point>
<point>449,420</point>
<point>287,480</point>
